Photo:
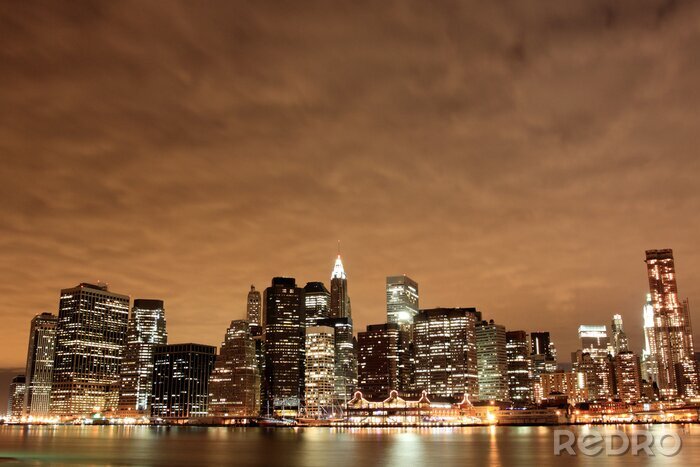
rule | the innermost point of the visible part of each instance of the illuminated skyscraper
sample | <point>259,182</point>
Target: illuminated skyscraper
<point>519,367</point>
<point>317,303</point>
<point>15,401</point>
<point>401,299</point>
<point>181,380</point>
<point>620,342</point>
<point>445,352</point>
<point>254,311</point>
<point>543,356</point>
<point>383,360</point>
<point>492,361</point>
<point>340,300</point>
<point>146,330</point>
<point>234,385</point>
<point>599,373</point>
<point>39,373</point>
<point>90,338</point>
<point>627,377</point>
<point>650,370</point>
<point>284,346</point>
<point>677,370</point>
<point>541,344</point>
<point>320,372</point>
<point>345,357</point>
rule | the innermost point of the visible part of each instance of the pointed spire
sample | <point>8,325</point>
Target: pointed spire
<point>338,271</point>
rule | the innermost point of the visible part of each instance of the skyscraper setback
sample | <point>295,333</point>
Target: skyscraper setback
<point>40,356</point>
<point>146,330</point>
<point>90,338</point>
<point>672,333</point>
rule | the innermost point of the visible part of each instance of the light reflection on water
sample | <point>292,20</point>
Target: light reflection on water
<point>444,447</point>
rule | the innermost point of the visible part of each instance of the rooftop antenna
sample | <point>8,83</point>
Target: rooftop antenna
<point>338,247</point>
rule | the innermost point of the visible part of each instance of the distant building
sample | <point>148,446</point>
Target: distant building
<point>649,367</point>
<point>594,340</point>
<point>340,300</point>
<point>627,377</point>
<point>320,389</point>
<point>599,374</point>
<point>345,357</point>
<point>284,346</point>
<point>146,330</point>
<point>383,360</point>
<point>571,384</point>
<point>541,344</point>
<point>445,352</point>
<point>674,348</point>
<point>39,372</point>
<point>317,303</point>
<point>234,385</point>
<point>181,380</point>
<point>254,311</point>
<point>401,299</point>
<point>15,401</point>
<point>492,361</point>
<point>519,367</point>
<point>90,339</point>
<point>620,343</point>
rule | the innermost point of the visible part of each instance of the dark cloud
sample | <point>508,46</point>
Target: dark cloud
<point>517,156</point>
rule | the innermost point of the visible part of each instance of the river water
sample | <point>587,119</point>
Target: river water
<point>316,446</point>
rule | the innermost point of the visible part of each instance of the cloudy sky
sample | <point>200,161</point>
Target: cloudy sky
<point>515,156</point>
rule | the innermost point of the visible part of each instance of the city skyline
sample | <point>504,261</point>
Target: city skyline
<point>520,167</point>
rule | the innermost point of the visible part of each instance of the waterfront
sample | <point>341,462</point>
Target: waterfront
<point>492,446</point>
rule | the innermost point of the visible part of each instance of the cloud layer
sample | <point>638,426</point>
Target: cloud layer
<point>515,156</point>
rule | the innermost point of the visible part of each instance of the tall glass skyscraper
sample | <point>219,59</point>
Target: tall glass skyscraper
<point>320,390</point>
<point>345,357</point>
<point>40,356</point>
<point>234,386</point>
<point>90,338</point>
<point>284,346</point>
<point>492,361</point>
<point>317,303</point>
<point>401,299</point>
<point>146,330</point>
<point>672,335</point>
<point>519,367</point>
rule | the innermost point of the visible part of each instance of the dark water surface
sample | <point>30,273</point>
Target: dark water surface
<point>191,446</point>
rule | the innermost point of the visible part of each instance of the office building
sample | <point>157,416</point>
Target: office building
<point>345,357</point>
<point>15,400</point>
<point>594,340</point>
<point>383,360</point>
<point>445,352</point>
<point>234,385</point>
<point>571,384</point>
<point>254,311</point>
<point>519,367</point>
<point>317,303</point>
<point>146,330</point>
<point>401,299</point>
<point>620,343</point>
<point>39,372</point>
<point>340,300</point>
<point>181,381</point>
<point>90,339</point>
<point>627,377</point>
<point>492,361</point>
<point>320,372</point>
<point>599,374</point>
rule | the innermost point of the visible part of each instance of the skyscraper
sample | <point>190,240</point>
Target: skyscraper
<point>649,368</point>
<point>15,401</point>
<point>492,361</point>
<point>627,377</point>
<point>620,343</point>
<point>317,303</point>
<point>541,344</point>
<point>445,352</point>
<point>401,299</point>
<point>383,360</point>
<point>234,385</point>
<point>677,371</point>
<point>340,300</point>
<point>594,340</point>
<point>39,373</point>
<point>146,330</point>
<point>181,380</point>
<point>284,345</point>
<point>254,311</point>
<point>345,357</point>
<point>519,367</point>
<point>90,338</point>
<point>320,371</point>
<point>599,373</point>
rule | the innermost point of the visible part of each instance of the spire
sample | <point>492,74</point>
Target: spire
<point>338,271</point>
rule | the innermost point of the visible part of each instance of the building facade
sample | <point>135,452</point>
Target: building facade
<point>317,303</point>
<point>340,300</point>
<point>627,377</point>
<point>284,346</point>
<point>254,311</point>
<point>146,330</point>
<point>15,400</point>
<point>90,339</point>
<point>383,360</point>
<point>492,361</point>
<point>39,372</point>
<point>320,372</point>
<point>181,381</point>
<point>345,357</point>
<point>620,343</point>
<point>401,299</point>
<point>234,385</point>
<point>519,367</point>
<point>446,352</point>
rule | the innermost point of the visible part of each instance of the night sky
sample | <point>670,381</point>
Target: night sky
<point>514,156</point>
